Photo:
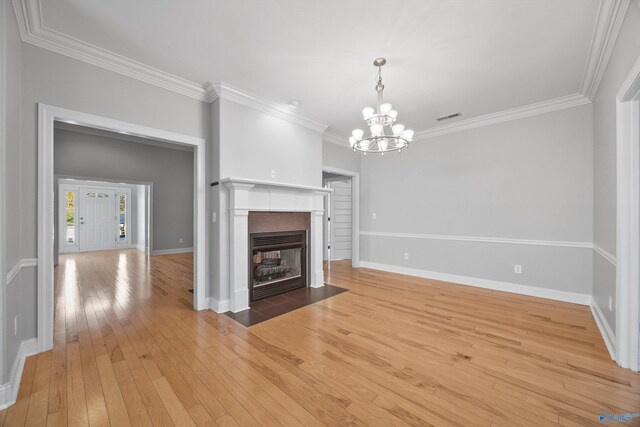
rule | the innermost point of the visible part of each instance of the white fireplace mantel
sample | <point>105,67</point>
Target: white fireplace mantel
<point>254,195</point>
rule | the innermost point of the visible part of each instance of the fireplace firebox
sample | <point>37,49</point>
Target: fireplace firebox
<point>277,263</point>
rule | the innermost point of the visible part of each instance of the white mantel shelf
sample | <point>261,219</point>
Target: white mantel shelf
<point>245,195</point>
<point>275,184</point>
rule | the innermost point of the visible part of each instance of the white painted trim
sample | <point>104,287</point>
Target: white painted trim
<point>142,248</point>
<point>9,390</point>
<point>586,245</point>
<point>23,263</point>
<point>543,107</point>
<point>172,251</point>
<point>609,21</point>
<point>282,111</point>
<point>248,181</point>
<point>46,116</point>
<point>336,139</point>
<point>218,306</point>
<point>628,221</point>
<point>355,211</point>
<point>534,291</point>
<point>605,330</point>
<point>33,31</point>
<point>605,254</point>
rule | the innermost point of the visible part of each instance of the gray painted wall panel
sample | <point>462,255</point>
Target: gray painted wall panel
<point>525,179</point>
<point>625,53</point>
<point>340,157</point>
<point>171,171</point>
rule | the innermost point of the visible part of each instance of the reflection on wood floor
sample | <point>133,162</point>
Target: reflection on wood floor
<point>394,350</point>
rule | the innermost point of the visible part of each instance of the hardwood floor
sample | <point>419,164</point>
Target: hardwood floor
<point>393,350</point>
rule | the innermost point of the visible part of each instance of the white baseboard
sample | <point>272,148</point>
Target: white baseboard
<point>142,248</point>
<point>172,251</point>
<point>534,291</point>
<point>605,330</point>
<point>9,390</point>
<point>218,306</point>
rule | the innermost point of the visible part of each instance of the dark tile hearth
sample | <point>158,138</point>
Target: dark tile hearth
<point>277,305</point>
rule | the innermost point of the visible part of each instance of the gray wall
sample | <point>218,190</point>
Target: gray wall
<point>524,179</point>
<point>19,294</point>
<point>252,144</point>
<point>625,53</point>
<point>170,171</point>
<point>340,157</point>
<point>54,79</point>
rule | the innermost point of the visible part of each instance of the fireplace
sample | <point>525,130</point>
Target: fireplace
<point>277,263</point>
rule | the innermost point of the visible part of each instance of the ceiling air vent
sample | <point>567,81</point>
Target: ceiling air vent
<point>450,116</point>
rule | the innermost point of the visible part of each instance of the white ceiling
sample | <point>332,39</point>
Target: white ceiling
<point>470,56</point>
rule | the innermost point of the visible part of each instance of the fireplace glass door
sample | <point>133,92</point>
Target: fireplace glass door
<point>277,264</point>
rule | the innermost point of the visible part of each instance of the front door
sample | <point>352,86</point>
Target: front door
<point>97,209</point>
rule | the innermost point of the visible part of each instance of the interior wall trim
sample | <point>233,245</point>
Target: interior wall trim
<point>221,306</point>
<point>534,291</point>
<point>609,21</point>
<point>605,330</point>
<point>226,91</point>
<point>33,31</point>
<point>604,254</point>
<point>566,244</point>
<point>28,13</point>
<point>172,251</point>
<point>9,390</point>
<point>23,263</point>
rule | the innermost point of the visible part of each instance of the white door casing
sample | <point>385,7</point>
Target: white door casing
<point>340,211</point>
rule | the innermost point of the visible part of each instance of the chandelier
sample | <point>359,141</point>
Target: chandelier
<point>384,117</point>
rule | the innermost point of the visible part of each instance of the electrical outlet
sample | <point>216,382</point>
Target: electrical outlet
<point>517,269</point>
<point>273,173</point>
<point>15,325</point>
<point>181,240</point>
<point>373,216</point>
<point>406,255</point>
<point>610,303</point>
<point>214,216</point>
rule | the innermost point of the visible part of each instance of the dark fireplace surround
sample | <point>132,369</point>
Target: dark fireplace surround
<point>278,252</point>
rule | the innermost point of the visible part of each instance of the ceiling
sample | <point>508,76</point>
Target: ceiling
<point>475,57</point>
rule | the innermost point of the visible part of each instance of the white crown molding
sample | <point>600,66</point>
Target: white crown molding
<point>506,115</point>
<point>609,21</point>
<point>564,244</point>
<point>25,262</point>
<point>605,254</point>
<point>28,14</point>
<point>32,31</point>
<point>335,138</point>
<point>226,91</point>
<point>534,291</point>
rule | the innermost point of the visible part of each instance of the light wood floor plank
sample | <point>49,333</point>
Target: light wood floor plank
<point>393,350</point>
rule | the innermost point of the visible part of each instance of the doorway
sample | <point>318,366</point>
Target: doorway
<point>341,216</point>
<point>47,117</point>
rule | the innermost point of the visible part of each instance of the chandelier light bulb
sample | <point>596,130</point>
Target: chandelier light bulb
<point>376,129</point>
<point>364,144</point>
<point>352,141</point>
<point>383,145</point>
<point>367,112</point>
<point>398,129</point>
<point>385,108</point>
<point>357,134</point>
<point>408,135</point>
<point>393,114</point>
